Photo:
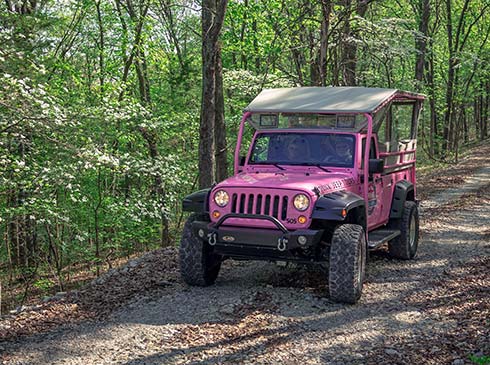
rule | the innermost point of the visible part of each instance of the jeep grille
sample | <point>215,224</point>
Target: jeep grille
<point>264,204</point>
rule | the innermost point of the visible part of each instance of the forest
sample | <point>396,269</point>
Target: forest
<point>112,111</point>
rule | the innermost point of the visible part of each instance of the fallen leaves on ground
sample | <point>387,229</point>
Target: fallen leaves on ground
<point>460,296</point>
<point>152,271</point>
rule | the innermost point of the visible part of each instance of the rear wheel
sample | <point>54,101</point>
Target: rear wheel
<point>405,245</point>
<point>347,263</point>
<point>199,265</point>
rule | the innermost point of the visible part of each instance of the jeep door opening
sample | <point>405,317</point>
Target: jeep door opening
<point>328,175</point>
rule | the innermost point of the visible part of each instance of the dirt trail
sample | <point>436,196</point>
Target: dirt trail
<point>261,313</point>
<point>479,178</point>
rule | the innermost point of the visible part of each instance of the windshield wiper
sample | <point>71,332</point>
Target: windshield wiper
<point>278,166</point>
<point>275,164</point>
<point>316,165</point>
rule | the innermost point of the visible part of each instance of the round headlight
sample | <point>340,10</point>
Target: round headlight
<point>301,202</point>
<point>221,198</point>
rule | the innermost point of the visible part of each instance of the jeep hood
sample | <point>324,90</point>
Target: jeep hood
<point>321,182</point>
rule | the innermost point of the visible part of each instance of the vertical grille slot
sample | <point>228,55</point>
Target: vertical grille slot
<point>250,205</point>
<point>258,205</point>
<point>233,203</point>
<point>242,203</point>
<point>267,205</point>
<point>279,207</point>
<point>275,209</point>
<point>284,210</point>
<point>245,206</point>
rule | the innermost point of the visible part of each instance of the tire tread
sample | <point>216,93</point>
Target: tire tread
<point>399,247</point>
<point>199,266</point>
<point>343,270</point>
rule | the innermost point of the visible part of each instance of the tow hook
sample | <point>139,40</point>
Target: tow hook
<point>282,244</point>
<point>212,238</point>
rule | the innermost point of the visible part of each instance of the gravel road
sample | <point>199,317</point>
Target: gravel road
<point>262,313</point>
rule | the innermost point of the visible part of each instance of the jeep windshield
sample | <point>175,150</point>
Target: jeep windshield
<point>308,149</point>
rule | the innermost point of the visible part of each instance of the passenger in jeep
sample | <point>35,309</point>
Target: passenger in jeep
<point>342,148</point>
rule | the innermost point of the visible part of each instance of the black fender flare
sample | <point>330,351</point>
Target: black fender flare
<point>404,190</point>
<point>197,202</point>
<point>329,207</point>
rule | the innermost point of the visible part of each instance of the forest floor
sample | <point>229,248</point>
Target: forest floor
<point>431,310</point>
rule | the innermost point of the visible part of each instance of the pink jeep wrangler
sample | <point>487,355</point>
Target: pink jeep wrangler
<point>305,191</point>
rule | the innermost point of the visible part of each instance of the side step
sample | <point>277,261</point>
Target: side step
<point>380,236</point>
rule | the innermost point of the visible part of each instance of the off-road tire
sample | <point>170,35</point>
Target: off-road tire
<point>404,246</point>
<point>199,265</point>
<point>347,263</point>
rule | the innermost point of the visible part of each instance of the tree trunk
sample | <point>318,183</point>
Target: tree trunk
<point>208,105</point>
<point>450,80</point>
<point>485,114</point>
<point>465,125</point>
<point>348,41</point>
<point>325,26</point>
<point>433,146</point>
<point>476,116</point>
<point>142,74</point>
<point>256,47</point>
<point>298,63</point>
<point>421,42</point>
<point>213,12</point>
<point>347,48</point>
<point>243,30</point>
<point>101,46</point>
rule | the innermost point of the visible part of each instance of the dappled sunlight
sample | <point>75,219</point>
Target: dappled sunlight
<point>431,263</point>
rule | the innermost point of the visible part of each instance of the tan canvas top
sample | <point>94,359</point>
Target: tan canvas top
<point>323,99</point>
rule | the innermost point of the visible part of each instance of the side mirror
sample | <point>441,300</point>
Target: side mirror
<point>376,166</point>
<point>242,160</point>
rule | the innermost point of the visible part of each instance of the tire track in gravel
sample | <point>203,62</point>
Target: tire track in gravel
<point>261,313</point>
<point>479,179</point>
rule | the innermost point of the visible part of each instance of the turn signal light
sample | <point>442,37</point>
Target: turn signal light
<point>344,213</point>
<point>216,214</point>
<point>302,219</point>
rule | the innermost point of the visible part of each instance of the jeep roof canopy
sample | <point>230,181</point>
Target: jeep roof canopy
<point>326,100</point>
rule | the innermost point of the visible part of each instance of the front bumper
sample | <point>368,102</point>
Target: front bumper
<point>253,242</point>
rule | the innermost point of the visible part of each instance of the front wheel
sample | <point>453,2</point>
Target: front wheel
<point>405,245</point>
<point>199,265</point>
<point>347,263</point>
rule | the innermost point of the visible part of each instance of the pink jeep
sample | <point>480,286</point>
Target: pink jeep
<point>302,192</point>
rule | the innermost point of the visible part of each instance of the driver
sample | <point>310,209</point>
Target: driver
<point>298,149</point>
